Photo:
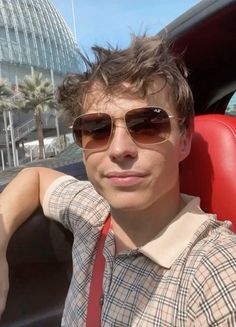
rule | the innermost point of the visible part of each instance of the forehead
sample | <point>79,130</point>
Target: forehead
<point>122,98</point>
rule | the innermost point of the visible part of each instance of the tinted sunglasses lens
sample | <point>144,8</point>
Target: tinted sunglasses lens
<point>148,125</point>
<point>92,131</point>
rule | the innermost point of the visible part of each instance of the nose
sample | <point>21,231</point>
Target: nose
<point>122,147</point>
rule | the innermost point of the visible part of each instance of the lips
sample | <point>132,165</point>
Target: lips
<point>125,179</point>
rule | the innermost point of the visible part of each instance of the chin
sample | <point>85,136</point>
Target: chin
<point>128,202</point>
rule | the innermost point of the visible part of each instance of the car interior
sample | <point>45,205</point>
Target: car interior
<point>209,171</point>
<point>39,253</point>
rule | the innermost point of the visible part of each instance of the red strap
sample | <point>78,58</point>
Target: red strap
<point>96,285</point>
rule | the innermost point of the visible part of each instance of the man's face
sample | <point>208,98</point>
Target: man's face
<point>129,176</point>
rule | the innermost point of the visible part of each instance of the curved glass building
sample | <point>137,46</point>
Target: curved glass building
<point>33,35</point>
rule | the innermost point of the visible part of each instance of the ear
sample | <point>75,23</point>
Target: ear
<point>185,143</point>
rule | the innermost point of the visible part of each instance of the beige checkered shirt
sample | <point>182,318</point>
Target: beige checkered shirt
<point>186,276</point>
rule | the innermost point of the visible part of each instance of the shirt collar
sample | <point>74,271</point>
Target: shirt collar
<point>165,248</point>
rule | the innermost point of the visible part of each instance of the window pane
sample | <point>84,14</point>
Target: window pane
<point>231,108</point>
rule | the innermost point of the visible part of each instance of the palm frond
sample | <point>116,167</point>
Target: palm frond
<point>6,96</point>
<point>37,91</point>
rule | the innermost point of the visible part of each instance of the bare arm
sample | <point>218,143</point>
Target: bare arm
<point>18,201</point>
<point>21,198</point>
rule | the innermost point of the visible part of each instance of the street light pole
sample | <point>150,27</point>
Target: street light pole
<point>12,138</point>
<point>7,138</point>
<point>56,117</point>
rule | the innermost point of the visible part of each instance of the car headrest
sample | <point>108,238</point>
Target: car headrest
<point>210,170</point>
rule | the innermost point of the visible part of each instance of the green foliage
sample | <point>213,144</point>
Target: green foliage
<point>6,94</point>
<point>38,95</point>
<point>37,92</point>
<point>5,89</point>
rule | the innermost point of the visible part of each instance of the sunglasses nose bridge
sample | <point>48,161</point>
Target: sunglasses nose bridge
<point>120,122</point>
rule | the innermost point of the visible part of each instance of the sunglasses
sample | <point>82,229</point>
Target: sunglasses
<point>149,125</point>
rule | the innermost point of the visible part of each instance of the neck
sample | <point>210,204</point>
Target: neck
<point>133,229</point>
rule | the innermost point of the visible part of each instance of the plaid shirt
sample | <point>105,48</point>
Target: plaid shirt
<point>186,276</point>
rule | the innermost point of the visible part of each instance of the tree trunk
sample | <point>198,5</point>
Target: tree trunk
<point>39,129</point>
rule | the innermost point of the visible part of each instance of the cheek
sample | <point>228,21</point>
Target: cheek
<point>166,164</point>
<point>92,162</point>
<point>166,153</point>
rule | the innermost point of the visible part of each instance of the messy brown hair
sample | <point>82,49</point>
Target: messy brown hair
<point>146,59</point>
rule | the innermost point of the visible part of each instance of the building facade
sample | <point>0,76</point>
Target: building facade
<point>33,37</point>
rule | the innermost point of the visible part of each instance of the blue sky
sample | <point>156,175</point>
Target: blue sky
<point>112,21</point>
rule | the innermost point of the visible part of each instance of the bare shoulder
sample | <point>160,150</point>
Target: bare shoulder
<point>45,177</point>
<point>43,172</point>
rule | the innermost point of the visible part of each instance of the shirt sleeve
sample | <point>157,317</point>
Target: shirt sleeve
<point>73,202</point>
<point>212,300</point>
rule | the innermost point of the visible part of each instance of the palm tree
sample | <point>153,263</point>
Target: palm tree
<point>38,94</point>
<point>6,103</point>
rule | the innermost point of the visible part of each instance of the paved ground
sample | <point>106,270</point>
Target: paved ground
<point>70,164</point>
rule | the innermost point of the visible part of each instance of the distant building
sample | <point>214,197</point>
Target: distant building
<point>34,37</point>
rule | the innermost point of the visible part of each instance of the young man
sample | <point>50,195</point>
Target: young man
<point>167,263</point>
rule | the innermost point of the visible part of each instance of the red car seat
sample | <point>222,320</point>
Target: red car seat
<point>210,170</point>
